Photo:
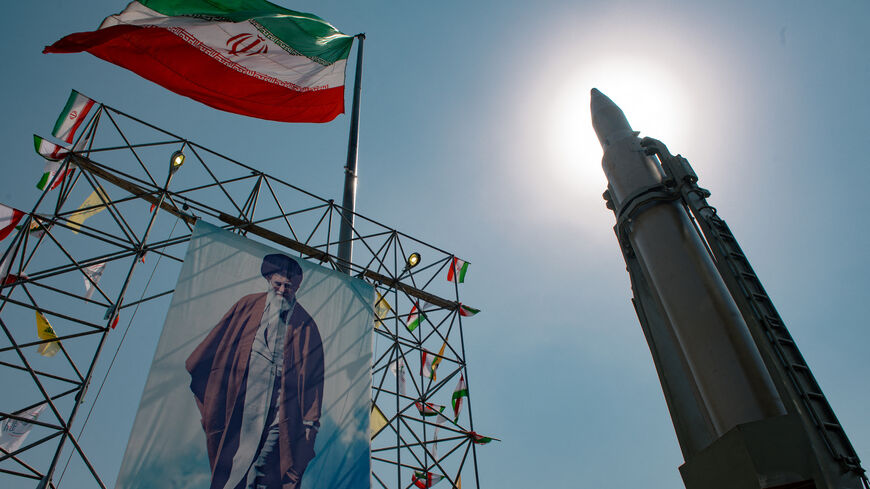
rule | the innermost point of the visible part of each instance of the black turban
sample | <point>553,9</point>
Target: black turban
<point>286,266</point>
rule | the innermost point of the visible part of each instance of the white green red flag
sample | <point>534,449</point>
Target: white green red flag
<point>49,150</point>
<point>466,311</point>
<point>9,218</point>
<point>249,57</point>
<point>425,479</point>
<point>93,274</point>
<point>480,439</point>
<point>71,118</point>
<point>459,392</point>
<point>13,432</point>
<point>46,332</point>
<point>415,317</point>
<point>428,410</point>
<point>457,271</point>
<point>429,365</point>
<point>51,169</point>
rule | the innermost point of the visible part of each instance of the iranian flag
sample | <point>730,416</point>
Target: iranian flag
<point>427,409</point>
<point>466,311</point>
<point>72,117</point>
<point>480,439</point>
<point>249,57</point>
<point>425,479</point>
<point>457,270</point>
<point>49,150</point>
<point>51,169</point>
<point>415,317</point>
<point>9,218</point>
<point>459,392</point>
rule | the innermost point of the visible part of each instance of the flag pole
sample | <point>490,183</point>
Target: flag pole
<point>345,231</point>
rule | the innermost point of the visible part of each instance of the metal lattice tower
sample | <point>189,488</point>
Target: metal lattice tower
<point>141,235</point>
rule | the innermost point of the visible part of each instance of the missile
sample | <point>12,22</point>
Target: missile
<point>713,375</point>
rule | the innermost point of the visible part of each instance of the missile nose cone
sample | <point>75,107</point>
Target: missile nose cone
<point>608,120</point>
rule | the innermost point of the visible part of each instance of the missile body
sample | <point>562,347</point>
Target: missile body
<point>719,380</point>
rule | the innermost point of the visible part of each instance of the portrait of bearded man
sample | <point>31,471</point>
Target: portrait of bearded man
<point>257,379</point>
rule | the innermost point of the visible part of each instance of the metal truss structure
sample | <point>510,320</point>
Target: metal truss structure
<point>139,218</point>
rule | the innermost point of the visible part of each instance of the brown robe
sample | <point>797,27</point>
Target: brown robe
<point>218,369</point>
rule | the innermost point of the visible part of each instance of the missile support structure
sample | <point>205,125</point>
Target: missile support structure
<point>746,408</point>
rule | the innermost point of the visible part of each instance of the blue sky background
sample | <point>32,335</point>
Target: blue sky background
<point>475,136</point>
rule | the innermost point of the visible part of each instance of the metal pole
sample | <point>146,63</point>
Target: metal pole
<point>46,481</point>
<point>345,231</point>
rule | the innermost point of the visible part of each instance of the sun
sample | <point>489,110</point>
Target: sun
<point>647,93</point>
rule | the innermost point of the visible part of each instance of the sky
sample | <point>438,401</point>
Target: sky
<point>475,135</point>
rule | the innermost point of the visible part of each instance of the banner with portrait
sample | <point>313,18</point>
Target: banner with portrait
<point>261,378</point>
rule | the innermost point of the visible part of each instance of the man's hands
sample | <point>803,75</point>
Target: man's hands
<point>310,429</point>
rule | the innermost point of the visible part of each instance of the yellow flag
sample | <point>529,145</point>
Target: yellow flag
<point>382,310</point>
<point>378,420</point>
<point>46,332</point>
<point>96,204</point>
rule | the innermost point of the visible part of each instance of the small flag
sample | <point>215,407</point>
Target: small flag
<point>459,392</point>
<point>377,421</point>
<point>93,274</point>
<point>457,270</point>
<point>9,218</point>
<point>382,309</point>
<point>425,479</point>
<point>49,150</point>
<point>72,116</point>
<point>94,204</point>
<point>35,230</point>
<point>430,362</point>
<point>398,369</point>
<point>428,410</point>
<point>53,155</point>
<point>466,311</point>
<point>479,439</point>
<point>415,317</point>
<point>46,332</point>
<point>13,432</point>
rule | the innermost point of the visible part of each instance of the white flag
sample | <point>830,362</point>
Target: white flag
<point>93,272</point>
<point>398,369</point>
<point>13,432</point>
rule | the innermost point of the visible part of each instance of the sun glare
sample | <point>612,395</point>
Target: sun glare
<point>649,96</point>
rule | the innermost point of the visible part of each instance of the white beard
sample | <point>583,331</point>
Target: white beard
<point>276,301</point>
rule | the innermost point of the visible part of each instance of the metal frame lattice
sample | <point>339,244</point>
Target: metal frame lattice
<point>141,234</point>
